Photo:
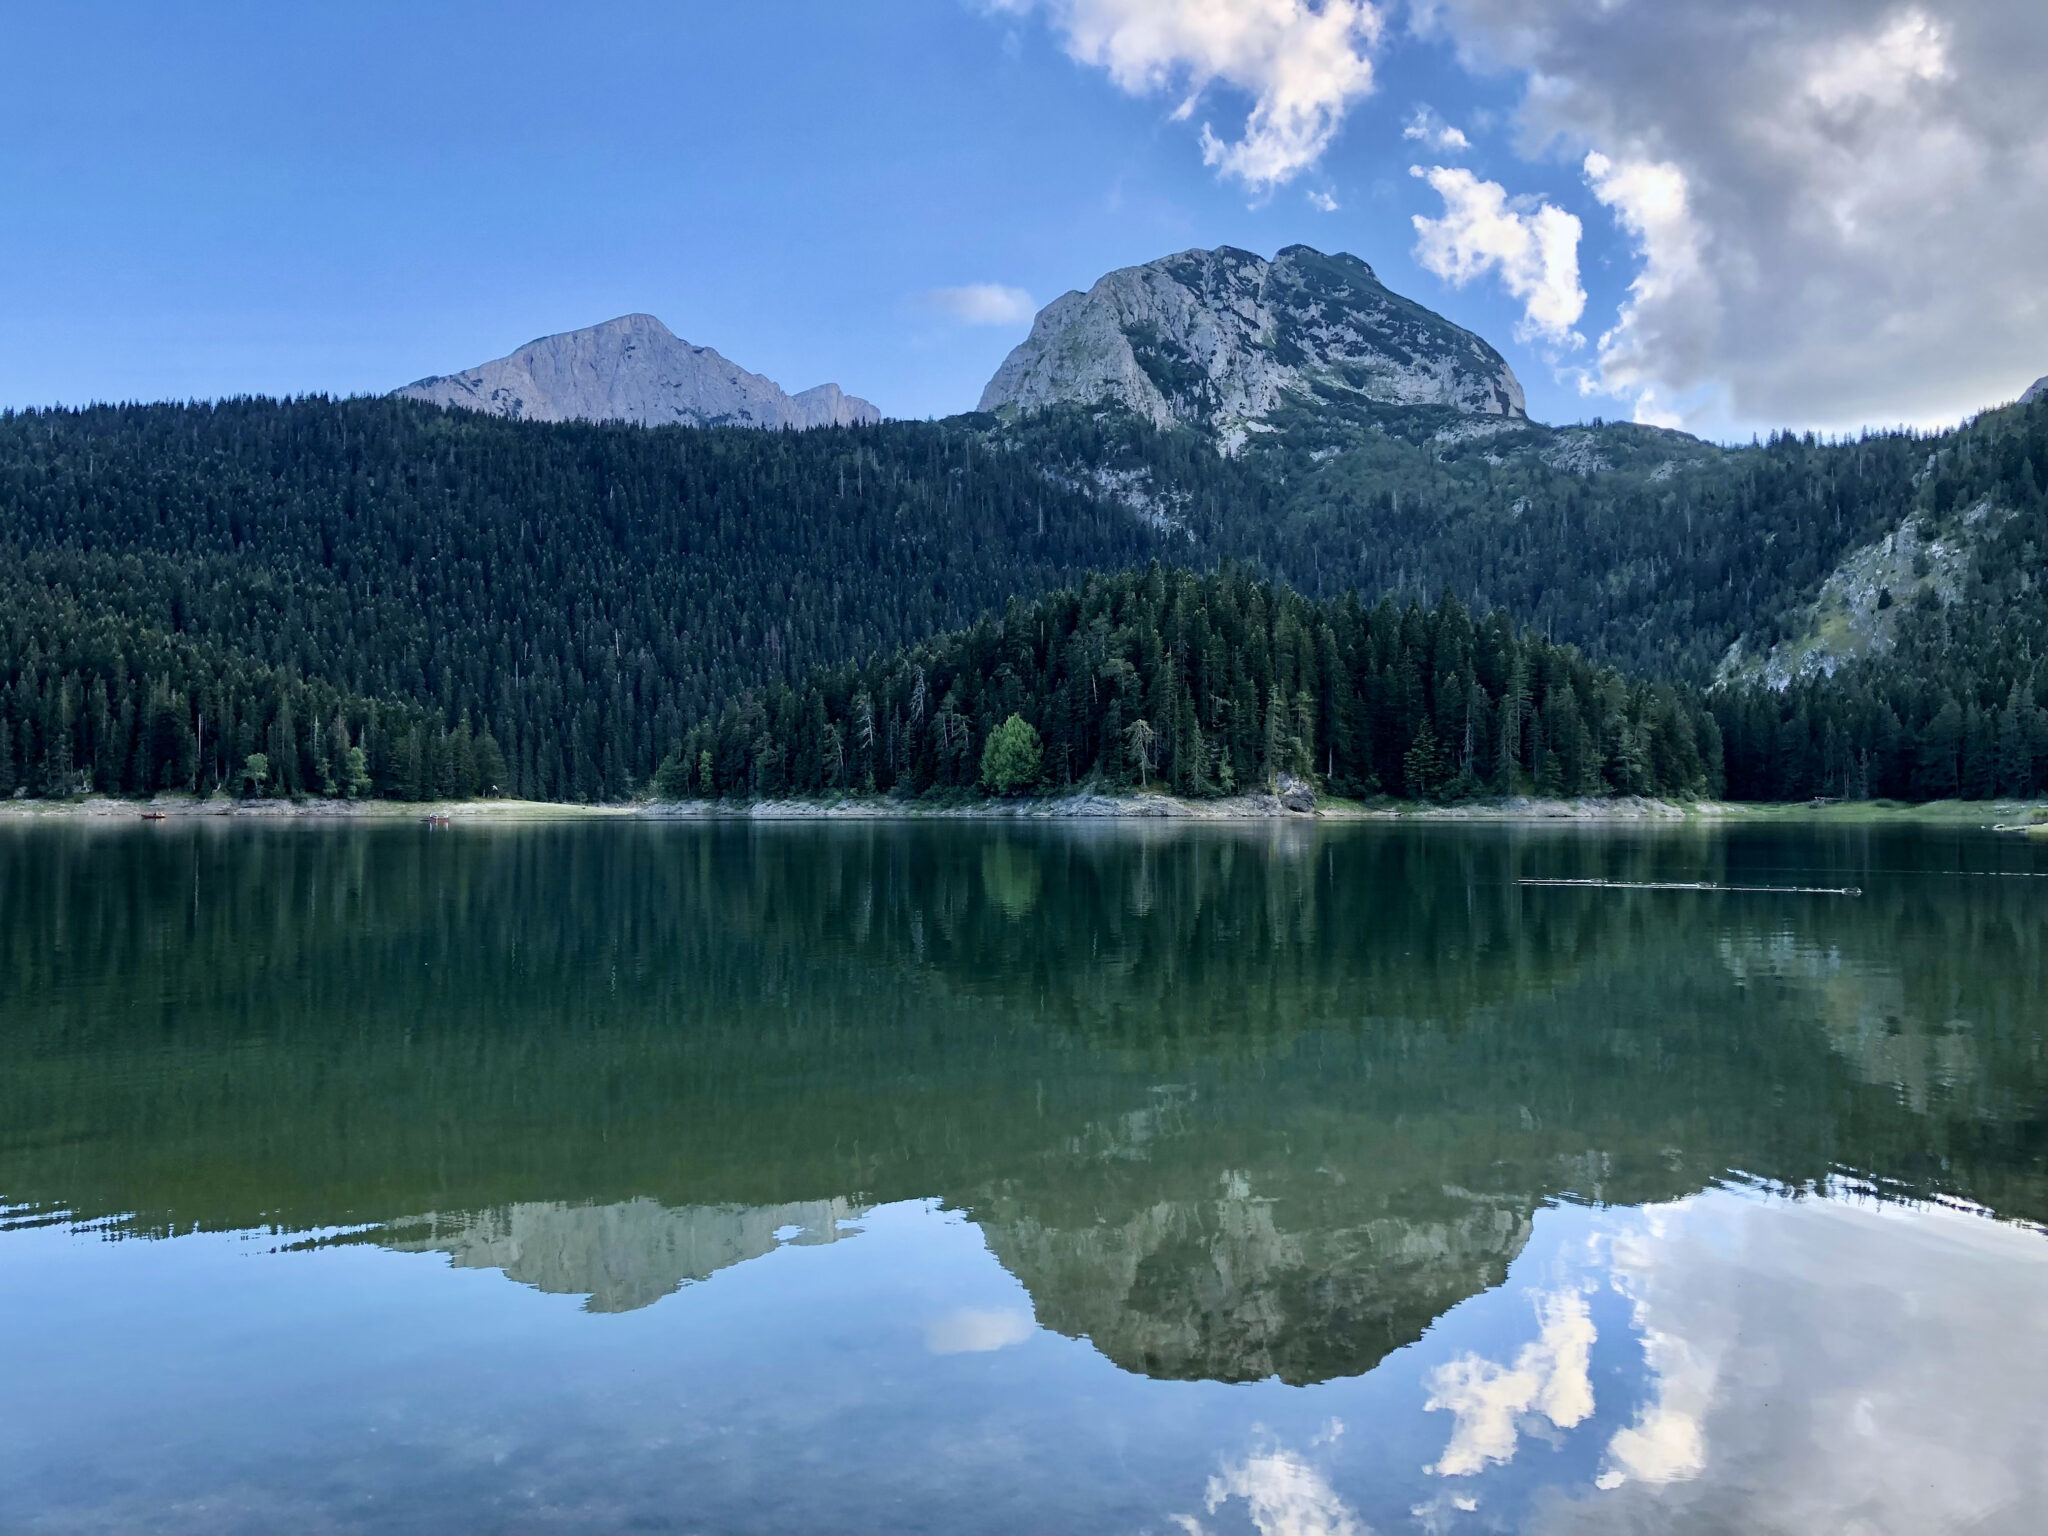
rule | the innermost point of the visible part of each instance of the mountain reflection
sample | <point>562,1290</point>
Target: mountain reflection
<point>1230,1103</point>
<point>620,1256</point>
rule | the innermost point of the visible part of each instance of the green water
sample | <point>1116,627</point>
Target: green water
<point>1278,1179</point>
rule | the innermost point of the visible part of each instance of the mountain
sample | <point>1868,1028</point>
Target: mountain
<point>469,599</point>
<point>2038,390</point>
<point>636,369</point>
<point>1219,340</point>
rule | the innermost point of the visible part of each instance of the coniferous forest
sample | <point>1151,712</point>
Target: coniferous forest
<point>186,586</point>
<point>1210,684</point>
<point>375,597</point>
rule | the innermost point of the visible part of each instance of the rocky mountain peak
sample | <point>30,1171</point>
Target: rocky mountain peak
<point>2038,390</point>
<point>1219,340</point>
<point>635,369</point>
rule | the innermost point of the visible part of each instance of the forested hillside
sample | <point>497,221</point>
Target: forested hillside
<point>1207,685</point>
<point>1958,705</point>
<point>478,604</point>
<point>1651,549</point>
<point>181,586</point>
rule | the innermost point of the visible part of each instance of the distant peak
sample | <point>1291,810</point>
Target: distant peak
<point>2038,390</point>
<point>635,322</point>
<point>1219,340</point>
<point>1334,258</point>
<point>634,368</point>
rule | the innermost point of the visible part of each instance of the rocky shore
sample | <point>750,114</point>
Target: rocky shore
<point>1297,803</point>
<point>1294,802</point>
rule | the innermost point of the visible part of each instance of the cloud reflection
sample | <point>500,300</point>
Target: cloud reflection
<point>1283,1496</point>
<point>1826,1364</point>
<point>1549,1376</point>
<point>978,1330</point>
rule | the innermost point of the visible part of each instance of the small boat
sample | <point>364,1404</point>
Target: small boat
<point>152,815</point>
<point>438,819</point>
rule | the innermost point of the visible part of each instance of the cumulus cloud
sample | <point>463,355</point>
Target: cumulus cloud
<point>1322,202</point>
<point>1302,64</point>
<point>1550,1376</point>
<point>982,304</point>
<point>1668,305</point>
<point>1838,207</point>
<point>1432,132</point>
<point>1532,247</point>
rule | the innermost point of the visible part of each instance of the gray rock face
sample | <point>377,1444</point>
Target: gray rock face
<point>635,369</point>
<point>1296,795</point>
<point>2038,390</point>
<point>1219,340</point>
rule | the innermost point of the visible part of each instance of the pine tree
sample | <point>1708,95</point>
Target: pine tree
<point>1139,740</point>
<point>2015,772</point>
<point>1012,757</point>
<point>1937,767</point>
<point>1423,771</point>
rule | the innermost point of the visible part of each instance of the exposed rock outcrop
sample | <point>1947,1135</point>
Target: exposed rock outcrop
<point>635,369</point>
<point>2038,390</point>
<point>1219,340</point>
<point>1863,601</point>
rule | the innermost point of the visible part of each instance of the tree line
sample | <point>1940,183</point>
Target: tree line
<point>1211,684</point>
<point>579,593</point>
<point>548,610</point>
<point>100,703</point>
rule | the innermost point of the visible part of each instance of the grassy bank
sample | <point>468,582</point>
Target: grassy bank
<point>224,807</point>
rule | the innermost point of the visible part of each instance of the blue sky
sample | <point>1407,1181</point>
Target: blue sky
<point>220,199</point>
<point>210,199</point>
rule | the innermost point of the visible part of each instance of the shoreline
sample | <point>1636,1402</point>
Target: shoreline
<point>1083,806</point>
<point>1143,806</point>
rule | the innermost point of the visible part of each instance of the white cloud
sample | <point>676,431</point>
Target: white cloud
<point>1534,249</point>
<point>1882,68</point>
<point>1839,207</point>
<point>978,1330</point>
<point>982,304</point>
<point>1432,132</point>
<point>1550,1376</point>
<point>1322,202</point>
<point>1301,62</point>
<point>1649,201</point>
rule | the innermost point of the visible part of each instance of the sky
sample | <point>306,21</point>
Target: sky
<point>1731,217</point>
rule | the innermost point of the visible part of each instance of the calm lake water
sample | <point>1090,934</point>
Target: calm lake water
<point>908,1179</point>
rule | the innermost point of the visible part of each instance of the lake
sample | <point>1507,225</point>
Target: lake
<point>1298,1179</point>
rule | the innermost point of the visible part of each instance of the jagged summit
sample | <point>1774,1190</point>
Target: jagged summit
<point>635,369</point>
<point>1219,339</point>
<point>2038,390</point>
